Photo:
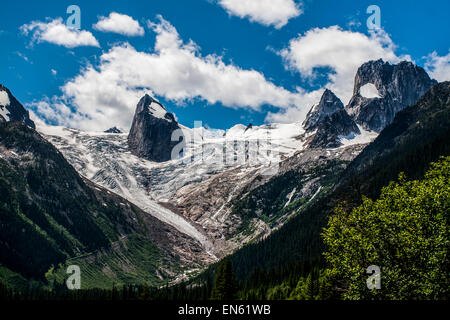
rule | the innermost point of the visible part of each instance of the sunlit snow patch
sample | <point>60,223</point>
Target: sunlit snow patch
<point>157,110</point>
<point>4,99</point>
<point>364,137</point>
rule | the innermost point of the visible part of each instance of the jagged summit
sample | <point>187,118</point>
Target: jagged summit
<point>154,107</point>
<point>328,105</point>
<point>113,130</point>
<point>391,88</point>
<point>151,131</point>
<point>330,120</point>
<point>11,109</point>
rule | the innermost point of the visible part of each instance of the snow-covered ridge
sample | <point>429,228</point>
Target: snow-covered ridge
<point>4,101</point>
<point>105,159</point>
<point>364,137</point>
<point>157,110</point>
<point>4,113</point>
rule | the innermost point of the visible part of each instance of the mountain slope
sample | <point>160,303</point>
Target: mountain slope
<point>327,122</point>
<point>11,109</point>
<point>418,135</point>
<point>50,215</point>
<point>394,88</point>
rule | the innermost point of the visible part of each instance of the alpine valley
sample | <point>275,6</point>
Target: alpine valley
<point>163,203</point>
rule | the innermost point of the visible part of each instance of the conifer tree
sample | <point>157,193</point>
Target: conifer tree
<point>225,287</point>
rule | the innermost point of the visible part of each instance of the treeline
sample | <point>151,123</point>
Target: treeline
<point>283,282</point>
<point>123,293</point>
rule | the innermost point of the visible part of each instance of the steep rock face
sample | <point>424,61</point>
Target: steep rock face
<point>11,109</point>
<point>418,135</point>
<point>151,131</point>
<point>398,86</point>
<point>330,120</point>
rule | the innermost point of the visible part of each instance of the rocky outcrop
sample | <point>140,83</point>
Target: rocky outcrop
<point>11,109</point>
<point>151,131</point>
<point>113,130</point>
<point>420,129</point>
<point>327,122</point>
<point>398,86</point>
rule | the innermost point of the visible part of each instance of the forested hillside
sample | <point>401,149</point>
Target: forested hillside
<point>418,136</point>
<point>289,264</point>
<point>51,217</point>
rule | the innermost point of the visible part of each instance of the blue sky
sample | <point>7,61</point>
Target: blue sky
<point>221,62</point>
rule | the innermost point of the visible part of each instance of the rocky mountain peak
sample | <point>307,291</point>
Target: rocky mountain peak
<point>328,105</point>
<point>382,89</point>
<point>151,131</point>
<point>249,126</point>
<point>11,109</point>
<point>330,122</point>
<point>154,108</point>
<point>113,130</point>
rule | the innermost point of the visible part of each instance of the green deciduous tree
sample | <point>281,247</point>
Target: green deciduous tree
<point>405,232</point>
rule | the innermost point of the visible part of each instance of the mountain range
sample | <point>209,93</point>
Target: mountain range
<point>128,209</point>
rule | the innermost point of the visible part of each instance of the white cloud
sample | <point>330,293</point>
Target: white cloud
<point>438,66</point>
<point>55,31</point>
<point>296,112</point>
<point>341,51</point>
<point>24,57</point>
<point>106,95</point>
<point>53,111</point>
<point>119,23</point>
<point>266,12</point>
<point>54,72</point>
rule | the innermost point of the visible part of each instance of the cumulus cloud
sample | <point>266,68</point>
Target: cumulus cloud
<point>266,12</point>
<point>340,50</point>
<point>119,23</point>
<point>438,67</point>
<point>106,94</point>
<point>55,31</point>
<point>296,112</point>
<point>53,111</point>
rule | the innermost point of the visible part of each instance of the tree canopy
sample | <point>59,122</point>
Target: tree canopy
<point>405,233</point>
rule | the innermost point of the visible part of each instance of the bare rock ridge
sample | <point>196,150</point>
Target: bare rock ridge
<point>380,91</point>
<point>330,120</point>
<point>151,131</point>
<point>11,109</point>
<point>113,130</point>
<point>397,86</point>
